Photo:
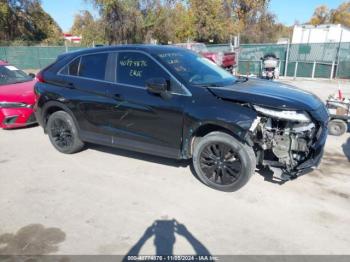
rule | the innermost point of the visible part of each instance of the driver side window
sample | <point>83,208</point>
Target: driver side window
<point>134,68</point>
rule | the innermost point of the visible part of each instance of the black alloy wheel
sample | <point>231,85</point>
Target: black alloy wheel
<point>220,163</point>
<point>63,133</point>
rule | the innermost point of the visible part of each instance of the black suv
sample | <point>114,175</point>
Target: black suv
<point>173,103</point>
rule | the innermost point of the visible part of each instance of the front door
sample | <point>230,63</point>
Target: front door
<point>143,121</point>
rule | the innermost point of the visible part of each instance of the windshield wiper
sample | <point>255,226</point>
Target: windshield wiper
<point>209,85</point>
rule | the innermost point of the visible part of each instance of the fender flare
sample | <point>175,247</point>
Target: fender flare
<point>188,137</point>
<point>64,107</point>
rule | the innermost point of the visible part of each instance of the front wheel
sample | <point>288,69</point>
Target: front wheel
<point>222,162</point>
<point>63,133</point>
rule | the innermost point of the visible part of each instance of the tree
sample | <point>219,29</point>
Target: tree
<point>91,30</point>
<point>25,20</point>
<point>247,12</point>
<point>45,29</point>
<point>184,24</point>
<point>135,21</point>
<point>321,15</point>
<point>5,20</point>
<point>122,20</point>
<point>341,15</point>
<point>265,30</point>
<point>256,23</point>
<point>211,20</point>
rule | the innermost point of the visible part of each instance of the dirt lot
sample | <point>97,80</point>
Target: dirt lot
<point>108,201</point>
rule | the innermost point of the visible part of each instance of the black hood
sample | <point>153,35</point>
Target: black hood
<point>269,94</point>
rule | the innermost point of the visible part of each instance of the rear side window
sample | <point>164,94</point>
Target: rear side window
<point>72,68</point>
<point>89,66</point>
<point>135,68</point>
<point>93,66</point>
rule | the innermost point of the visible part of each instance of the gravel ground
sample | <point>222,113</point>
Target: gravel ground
<point>110,201</point>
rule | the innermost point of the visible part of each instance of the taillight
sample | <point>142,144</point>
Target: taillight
<point>40,77</point>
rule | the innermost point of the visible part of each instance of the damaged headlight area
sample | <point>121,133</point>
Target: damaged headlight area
<point>284,114</point>
<point>283,138</point>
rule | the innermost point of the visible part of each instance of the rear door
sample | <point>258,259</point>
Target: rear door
<point>88,79</point>
<point>143,121</point>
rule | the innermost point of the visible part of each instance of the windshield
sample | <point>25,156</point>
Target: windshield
<point>12,75</point>
<point>195,69</point>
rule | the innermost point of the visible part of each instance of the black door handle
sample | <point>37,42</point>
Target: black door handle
<point>70,85</point>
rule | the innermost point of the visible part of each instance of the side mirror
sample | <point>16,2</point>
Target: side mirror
<point>157,86</point>
<point>32,75</point>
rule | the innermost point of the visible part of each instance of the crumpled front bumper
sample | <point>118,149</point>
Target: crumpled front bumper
<point>316,154</point>
<point>317,149</point>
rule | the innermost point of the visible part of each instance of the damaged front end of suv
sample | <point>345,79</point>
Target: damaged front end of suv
<point>289,140</point>
<point>290,130</point>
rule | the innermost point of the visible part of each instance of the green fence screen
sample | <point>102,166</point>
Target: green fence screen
<point>32,57</point>
<point>343,69</point>
<point>324,60</point>
<point>304,60</point>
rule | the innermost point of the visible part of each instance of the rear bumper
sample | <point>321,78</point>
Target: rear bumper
<point>16,117</point>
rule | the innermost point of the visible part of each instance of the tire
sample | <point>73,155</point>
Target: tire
<point>234,168</point>
<point>337,127</point>
<point>63,133</point>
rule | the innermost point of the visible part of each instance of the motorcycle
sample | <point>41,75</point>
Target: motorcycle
<point>270,67</point>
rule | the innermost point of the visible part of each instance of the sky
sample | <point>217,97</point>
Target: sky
<point>287,11</point>
<point>63,11</point>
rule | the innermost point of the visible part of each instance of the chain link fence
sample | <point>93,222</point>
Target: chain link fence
<point>32,57</point>
<point>328,60</point>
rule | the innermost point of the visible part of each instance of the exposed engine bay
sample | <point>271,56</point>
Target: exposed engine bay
<point>283,143</point>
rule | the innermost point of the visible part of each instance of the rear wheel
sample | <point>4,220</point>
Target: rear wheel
<point>222,162</point>
<point>63,133</point>
<point>337,127</point>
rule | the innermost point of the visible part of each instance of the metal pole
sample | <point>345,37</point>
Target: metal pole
<point>296,69</point>
<point>279,67</point>
<point>248,68</point>
<point>287,59</point>
<point>313,70</point>
<point>338,52</point>
<point>237,52</point>
<point>332,70</point>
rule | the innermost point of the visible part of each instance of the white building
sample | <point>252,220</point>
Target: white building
<point>304,34</point>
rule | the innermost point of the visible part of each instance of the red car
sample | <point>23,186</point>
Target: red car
<point>16,97</point>
<point>226,60</point>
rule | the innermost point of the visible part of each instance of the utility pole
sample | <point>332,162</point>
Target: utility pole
<point>338,52</point>
<point>287,59</point>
